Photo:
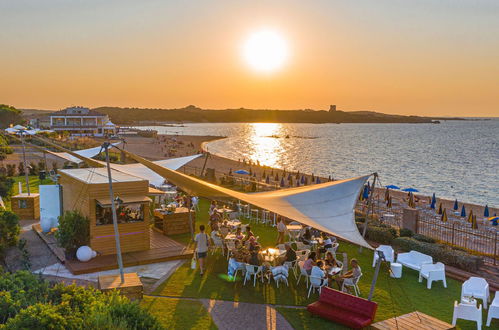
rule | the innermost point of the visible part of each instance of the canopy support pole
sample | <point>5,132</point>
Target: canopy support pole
<point>370,205</point>
<point>204,165</point>
<point>26,170</point>
<point>113,209</point>
<point>381,257</point>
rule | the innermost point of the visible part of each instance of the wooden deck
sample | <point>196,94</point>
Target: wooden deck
<point>162,249</point>
<point>414,320</point>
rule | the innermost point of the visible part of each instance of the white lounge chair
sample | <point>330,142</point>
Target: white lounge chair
<point>316,283</point>
<point>254,271</point>
<point>414,259</point>
<point>352,282</point>
<point>467,312</point>
<point>493,309</point>
<point>476,287</point>
<point>432,272</point>
<point>387,251</point>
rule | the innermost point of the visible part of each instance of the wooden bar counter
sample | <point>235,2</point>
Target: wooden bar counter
<point>174,223</point>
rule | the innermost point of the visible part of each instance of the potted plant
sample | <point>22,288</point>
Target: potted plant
<point>73,232</point>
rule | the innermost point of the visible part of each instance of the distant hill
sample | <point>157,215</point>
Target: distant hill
<point>137,116</point>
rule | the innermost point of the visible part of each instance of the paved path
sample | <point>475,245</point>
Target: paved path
<point>233,315</point>
<point>229,315</point>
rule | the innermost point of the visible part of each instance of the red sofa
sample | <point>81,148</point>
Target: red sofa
<point>343,308</point>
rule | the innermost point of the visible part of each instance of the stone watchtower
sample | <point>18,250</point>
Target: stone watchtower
<point>332,108</point>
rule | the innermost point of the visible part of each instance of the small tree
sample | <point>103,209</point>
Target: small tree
<point>73,232</point>
<point>20,168</point>
<point>33,169</point>
<point>6,184</point>
<point>11,170</point>
<point>9,231</point>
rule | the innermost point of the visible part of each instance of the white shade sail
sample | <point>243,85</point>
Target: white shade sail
<point>328,206</point>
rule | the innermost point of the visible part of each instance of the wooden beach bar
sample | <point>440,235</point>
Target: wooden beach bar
<point>174,222</point>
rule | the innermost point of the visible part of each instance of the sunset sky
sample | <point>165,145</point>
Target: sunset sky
<point>425,57</point>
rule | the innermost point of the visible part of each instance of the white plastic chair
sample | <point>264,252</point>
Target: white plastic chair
<point>493,309</point>
<point>352,282</point>
<point>476,287</point>
<point>387,251</point>
<point>241,267</point>
<point>302,246</point>
<point>254,271</point>
<point>303,273</point>
<point>291,265</point>
<point>301,255</point>
<point>467,312</point>
<point>218,244</point>
<point>432,272</point>
<point>231,245</point>
<point>280,274</point>
<point>316,283</point>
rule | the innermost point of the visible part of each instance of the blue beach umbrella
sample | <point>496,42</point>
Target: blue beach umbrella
<point>434,199</point>
<point>456,206</point>
<point>410,190</point>
<point>463,211</point>
<point>318,180</point>
<point>494,220</point>
<point>267,180</point>
<point>392,186</point>
<point>486,211</point>
<point>302,181</point>
<point>282,182</point>
<point>432,205</point>
<point>242,172</point>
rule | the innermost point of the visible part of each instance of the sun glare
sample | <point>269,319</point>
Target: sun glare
<point>265,51</point>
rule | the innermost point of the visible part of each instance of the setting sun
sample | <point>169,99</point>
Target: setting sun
<point>265,50</point>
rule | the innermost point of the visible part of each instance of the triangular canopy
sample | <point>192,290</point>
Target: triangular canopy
<point>328,206</point>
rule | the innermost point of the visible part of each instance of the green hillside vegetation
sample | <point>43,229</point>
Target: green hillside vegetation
<point>194,114</point>
<point>9,115</point>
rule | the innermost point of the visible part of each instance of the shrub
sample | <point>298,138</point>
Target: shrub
<point>44,316</point>
<point>6,184</point>
<point>404,232</point>
<point>73,231</point>
<point>9,231</point>
<point>423,238</point>
<point>441,252</point>
<point>381,234</point>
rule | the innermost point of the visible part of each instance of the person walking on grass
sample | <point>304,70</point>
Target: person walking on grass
<point>281,231</point>
<point>202,243</point>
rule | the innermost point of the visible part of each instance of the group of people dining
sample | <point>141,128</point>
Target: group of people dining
<point>242,247</point>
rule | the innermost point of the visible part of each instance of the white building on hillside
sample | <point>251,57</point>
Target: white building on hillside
<point>82,121</point>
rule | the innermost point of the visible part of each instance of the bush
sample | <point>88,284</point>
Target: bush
<point>441,252</point>
<point>378,232</point>
<point>73,231</point>
<point>42,316</point>
<point>9,231</point>
<point>423,238</point>
<point>6,184</point>
<point>404,232</point>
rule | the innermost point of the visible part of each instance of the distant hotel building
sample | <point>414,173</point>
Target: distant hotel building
<point>82,121</point>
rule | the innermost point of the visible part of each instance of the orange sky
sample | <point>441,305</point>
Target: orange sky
<point>424,58</point>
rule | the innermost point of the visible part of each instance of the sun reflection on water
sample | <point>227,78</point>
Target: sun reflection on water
<point>265,142</point>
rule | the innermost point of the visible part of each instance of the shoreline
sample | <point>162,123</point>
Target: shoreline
<point>191,144</point>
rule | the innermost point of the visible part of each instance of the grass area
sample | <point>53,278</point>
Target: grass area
<point>34,182</point>
<point>179,314</point>
<point>394,296</point>
<point>301,320</point>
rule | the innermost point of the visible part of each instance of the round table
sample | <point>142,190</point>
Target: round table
<point>396,270</point>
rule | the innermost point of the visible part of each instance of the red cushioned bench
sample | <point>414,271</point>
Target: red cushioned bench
<point>343,308</point>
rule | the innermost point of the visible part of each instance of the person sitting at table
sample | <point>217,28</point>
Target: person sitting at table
<point>290,255</point>
<point>239,234</point>
<point>215,235</point>
<point>306,237</point>
<point>213,207</point>
<point>255,258</point>
<point>352,273</point>
<point>327,243</point>
<point>317,275</point>
<point>239,255</point>
<point>251,243</point>
<point>310,262</point>
<point>249,233</point>
<point>330,261</point>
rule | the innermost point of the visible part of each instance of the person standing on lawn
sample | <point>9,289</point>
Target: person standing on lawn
<point>281,231</point>
<point>202,243</point>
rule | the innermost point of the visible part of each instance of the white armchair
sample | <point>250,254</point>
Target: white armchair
<point>467,312</point>
<point>254,271</point>
<point>476,287</point>
<point>387,251</point>
<point>432,272</point>
<point>493,309</point>
<point>280,274</point>
<point>316,283</point>
<point>352,282</point>
<point>303,273</point>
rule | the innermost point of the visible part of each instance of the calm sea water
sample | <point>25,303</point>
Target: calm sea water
<point>456,159</point>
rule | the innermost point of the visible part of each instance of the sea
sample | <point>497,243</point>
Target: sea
<point>453,159</point>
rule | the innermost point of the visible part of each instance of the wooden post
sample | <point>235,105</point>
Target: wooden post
<point>204,165</point>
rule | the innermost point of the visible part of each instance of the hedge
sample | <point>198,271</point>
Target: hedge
<point>377,232</point>
<point>441,252</point>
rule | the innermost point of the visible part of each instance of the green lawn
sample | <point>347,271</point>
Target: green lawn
<point>394,296</point>
<point>179,314</point>
<point>34,182</point>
